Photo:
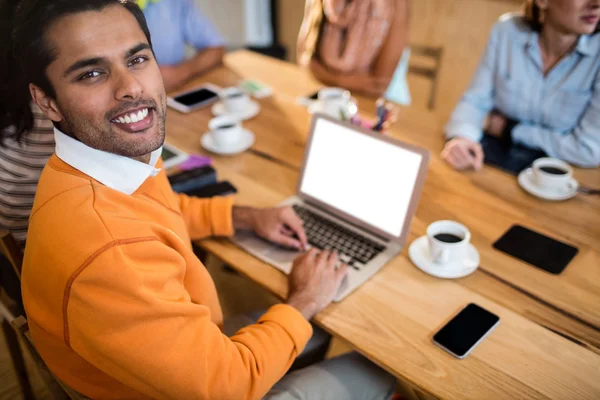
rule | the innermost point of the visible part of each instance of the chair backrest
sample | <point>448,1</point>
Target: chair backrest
<point>11,261</point>
<point>58,390</point>
<point>435,54</point>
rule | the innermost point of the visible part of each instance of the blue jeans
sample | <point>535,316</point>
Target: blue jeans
<point>513,159</point>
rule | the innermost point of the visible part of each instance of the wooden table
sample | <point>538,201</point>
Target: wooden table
<point>392,317</point>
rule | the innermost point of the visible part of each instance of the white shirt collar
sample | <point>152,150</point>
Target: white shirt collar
<point>117,172</point>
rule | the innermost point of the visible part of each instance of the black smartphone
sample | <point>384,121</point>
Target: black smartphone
<point>194,99</point>
<point>198,97</point>
<point>536,249</point>
<point>223,188</point>
<point>466,330</point>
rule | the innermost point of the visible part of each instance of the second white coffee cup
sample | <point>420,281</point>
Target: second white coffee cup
<point>225,130</point>
<point>336,101</point>
<point>551,173</point>
<point>234,99</point>
<point>448,241</point>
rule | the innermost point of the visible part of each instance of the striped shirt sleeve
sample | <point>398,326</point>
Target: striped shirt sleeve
<point>21,164</point>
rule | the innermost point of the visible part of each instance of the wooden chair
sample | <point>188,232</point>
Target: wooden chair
<point>435,53</point>
<point>59,390</point>
<point>11,261</point>
<point>11,305</point>
<point>11,251</point>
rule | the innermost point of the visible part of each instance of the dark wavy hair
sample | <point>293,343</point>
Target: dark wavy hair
<point>533,16</point>
<point>25,53</point>
<point>15,114</point>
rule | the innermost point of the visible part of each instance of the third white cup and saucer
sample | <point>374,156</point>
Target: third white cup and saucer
<point>333,102</point>
<point>549,179</point>
<point>235,102</point>
<point>445,251</point>
<point>227,136</point>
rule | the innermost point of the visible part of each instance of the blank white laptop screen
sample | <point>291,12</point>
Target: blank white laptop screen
<point>367,178</point>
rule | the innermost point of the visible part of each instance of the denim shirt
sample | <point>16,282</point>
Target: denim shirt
<point>175,23</point>
<point>558,113</point>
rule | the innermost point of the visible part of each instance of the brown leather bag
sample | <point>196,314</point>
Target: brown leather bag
<point>345,36</point>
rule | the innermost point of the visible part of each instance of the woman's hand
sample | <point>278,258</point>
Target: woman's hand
<point>463,154</point>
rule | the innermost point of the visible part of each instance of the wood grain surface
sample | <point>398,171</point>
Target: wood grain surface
<point>547,345</point>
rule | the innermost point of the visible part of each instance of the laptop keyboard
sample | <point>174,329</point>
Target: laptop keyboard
<point>322,233</point>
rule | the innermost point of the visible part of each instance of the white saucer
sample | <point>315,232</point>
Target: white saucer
<point>317,106</point>
<point>418,253</point>
<point>244,144</point>
<point>250,112</point>
<point>527,183</point>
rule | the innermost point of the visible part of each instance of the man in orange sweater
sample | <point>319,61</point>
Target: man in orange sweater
<point>118,304</point>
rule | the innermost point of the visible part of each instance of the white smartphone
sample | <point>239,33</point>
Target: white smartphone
<point>466,330</point>
<point>172,156</point>
<point>194,99</point>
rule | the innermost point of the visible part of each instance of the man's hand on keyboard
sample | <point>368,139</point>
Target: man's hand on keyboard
<point>278,225</point>
<point>314,281</point>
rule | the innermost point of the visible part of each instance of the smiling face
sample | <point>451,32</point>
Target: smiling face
<point>108,88</point>
<point>572,16</point>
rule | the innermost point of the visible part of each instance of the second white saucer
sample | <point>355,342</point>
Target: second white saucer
<point>526,182</point>
<point>246,141</point>
<point>418,252</point>
<point>250,112</point>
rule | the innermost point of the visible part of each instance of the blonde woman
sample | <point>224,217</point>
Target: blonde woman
<point>538,84</point>
<point>355,45</point>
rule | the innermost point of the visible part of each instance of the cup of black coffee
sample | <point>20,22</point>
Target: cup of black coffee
<point>552,174</point>
<point>234,99</point>
<point>554,170</point>
<point>448,241</point>
<point>336,102</point>
<point>226,131</point>
<point>448,238</point>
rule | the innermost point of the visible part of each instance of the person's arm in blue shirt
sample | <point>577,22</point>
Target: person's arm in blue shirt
<point>470,113</point>
<point>200,33</point>
<point>580,146</point>
<point>465,128</point>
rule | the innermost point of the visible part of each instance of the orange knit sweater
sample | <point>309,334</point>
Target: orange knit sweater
<point>120,307</point>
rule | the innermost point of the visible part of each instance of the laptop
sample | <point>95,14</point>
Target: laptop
<point>357,194</point>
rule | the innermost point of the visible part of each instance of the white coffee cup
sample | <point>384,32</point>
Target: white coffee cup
<point>336,101</point>
<point>234,99</point>
<point>225,130</point>
<point>448,241</point>
<point>553,174</point>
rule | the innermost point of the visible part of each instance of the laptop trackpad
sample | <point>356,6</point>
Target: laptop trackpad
<point>281,257</point>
